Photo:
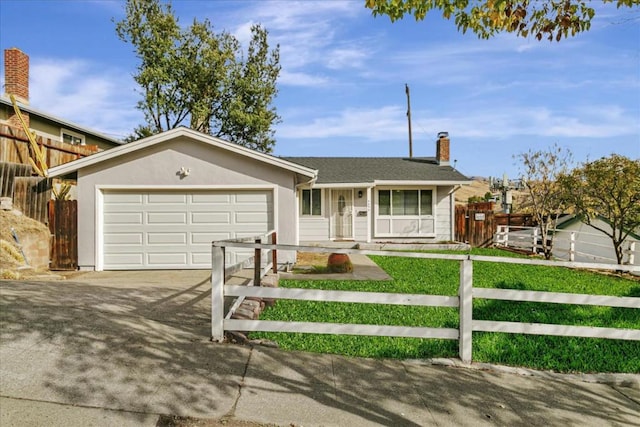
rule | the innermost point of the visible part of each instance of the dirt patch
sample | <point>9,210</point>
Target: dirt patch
<point>311,259</point>
<point>174,421</point>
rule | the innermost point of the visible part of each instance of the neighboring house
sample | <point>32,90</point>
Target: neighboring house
<point>390,199</point>
<point>159,202</point>
<point>16,66</point>
<point>591,245</point>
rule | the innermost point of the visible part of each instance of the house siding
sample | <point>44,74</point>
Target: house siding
<point>157,166</point>
<point>443,214</point>
<point>314,229</point>
<point>50,129</point>
<point>360,223</point>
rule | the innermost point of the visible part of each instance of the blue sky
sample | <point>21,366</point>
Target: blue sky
<point>341,89</point>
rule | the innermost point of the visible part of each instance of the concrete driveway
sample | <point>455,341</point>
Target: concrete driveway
<point>123,348</point>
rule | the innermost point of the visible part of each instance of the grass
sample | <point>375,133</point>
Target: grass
<point>440,277</point>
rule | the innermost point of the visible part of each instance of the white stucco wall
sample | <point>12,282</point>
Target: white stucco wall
<point>157,166</point>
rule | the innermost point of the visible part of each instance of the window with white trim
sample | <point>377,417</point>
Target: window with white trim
<point>71,137</point>
<point>405,202</point>
<point>311,203</point>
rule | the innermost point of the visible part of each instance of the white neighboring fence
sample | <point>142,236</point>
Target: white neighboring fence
<point>463,301</point>
<point>568,245</point>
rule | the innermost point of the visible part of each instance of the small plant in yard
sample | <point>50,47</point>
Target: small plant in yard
<point>339,263</point>
<point>441,277</point>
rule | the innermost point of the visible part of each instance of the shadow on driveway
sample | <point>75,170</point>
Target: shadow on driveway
<point>139,342</point>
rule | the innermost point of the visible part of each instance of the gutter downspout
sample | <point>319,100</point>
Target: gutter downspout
<point>452,211</point>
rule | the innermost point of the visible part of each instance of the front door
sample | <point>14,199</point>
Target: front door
<point>342,214</point>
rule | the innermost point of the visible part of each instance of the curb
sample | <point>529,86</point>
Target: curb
<point>611,379</point>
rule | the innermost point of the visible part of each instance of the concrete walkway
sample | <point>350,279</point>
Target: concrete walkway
<point>363,269</point>
<point>124,348</point>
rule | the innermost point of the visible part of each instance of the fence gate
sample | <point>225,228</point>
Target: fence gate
<point>475,227</point>
<point>64,234</point>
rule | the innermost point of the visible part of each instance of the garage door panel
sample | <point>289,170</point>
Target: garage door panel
<point>126,198</point>
<point>201,258</point>
<point>166,198</point>
<point>129,218</point>
<point>131,260</point>
<point>162,259</point>
<point>250,197</point>
<point>166,238</point>
<point>213,218</point>
<point>123,238</point>
<point>205,238</point>
<point>168,218</point>
<point>209,198</point>
<point>167,229</point>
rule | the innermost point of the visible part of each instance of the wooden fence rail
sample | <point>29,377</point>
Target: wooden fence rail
<point>463,301</point>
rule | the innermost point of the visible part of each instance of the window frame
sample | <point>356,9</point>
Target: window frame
<point>73,134</point>
<point>311,203</point>
<point>391,214</point>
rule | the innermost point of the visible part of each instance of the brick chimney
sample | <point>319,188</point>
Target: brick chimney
<point>442,149</point>
<point>16,81</point>
<point>16,74</point>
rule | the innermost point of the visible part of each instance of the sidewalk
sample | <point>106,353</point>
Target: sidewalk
<point>121,349</point>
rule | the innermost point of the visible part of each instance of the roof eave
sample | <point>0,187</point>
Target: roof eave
<point>102,156</point>
<point>64,123</point>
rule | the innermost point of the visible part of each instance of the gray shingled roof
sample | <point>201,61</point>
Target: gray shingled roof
<point>333,170</point>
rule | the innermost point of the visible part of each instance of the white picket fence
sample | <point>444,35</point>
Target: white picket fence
<point>568,245</point>
<point>463,301</point>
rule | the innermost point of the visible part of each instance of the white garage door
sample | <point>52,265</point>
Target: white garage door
<point>174,230</point>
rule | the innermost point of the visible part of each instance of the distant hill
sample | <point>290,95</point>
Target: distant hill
<point>479,186</point>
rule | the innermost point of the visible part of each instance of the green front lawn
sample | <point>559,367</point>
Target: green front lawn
<point>441,277</point>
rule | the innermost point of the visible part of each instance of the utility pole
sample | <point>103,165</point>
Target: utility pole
<point>505,186</point>
<point>406,86</point>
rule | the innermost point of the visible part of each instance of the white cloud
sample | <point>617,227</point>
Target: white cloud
<point>86,94</point>
<point>308,33</point>
<point>390,123</point>
<point>301,79</point>
<point>368,124</point>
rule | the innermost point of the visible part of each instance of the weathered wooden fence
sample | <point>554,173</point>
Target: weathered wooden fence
<point>63,226</point>
<point>476,223</point>
<point>31,196</point>
<point>463,301</point>
<point>8,173</point>
<point>14,148</point>
<point>475,227</point>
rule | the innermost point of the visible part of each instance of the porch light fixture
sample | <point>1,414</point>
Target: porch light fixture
<point>359,194</point>
<point>183,172</point>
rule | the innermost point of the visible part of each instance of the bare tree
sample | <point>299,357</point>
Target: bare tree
<point>545,199</point>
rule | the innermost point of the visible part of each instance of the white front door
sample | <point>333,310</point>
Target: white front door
<point>342,214</point>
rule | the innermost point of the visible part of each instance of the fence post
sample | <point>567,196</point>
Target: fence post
<point>632,255</point>
<point>274,252</point>
<point>257,264</point>
<point>466,310</point>
<point>217,293</point>
<point>506,236</point>
<point>535,241</point>
<point>572,246</point>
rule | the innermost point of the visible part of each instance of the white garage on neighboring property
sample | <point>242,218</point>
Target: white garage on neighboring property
<point>159,202</point>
